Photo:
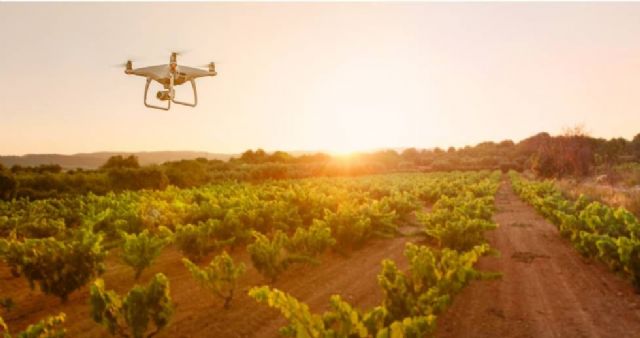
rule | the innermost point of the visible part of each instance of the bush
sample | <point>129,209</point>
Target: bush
<point>50,327</point>
<point>432,280</point>
<point>271,257</point>
<point>312,241</point>
<point>130,316</point>
<point>197,241</point>
<point>220,277</point>
<point>140,250</point>
<point>58,267</point>
<point>349,225</point>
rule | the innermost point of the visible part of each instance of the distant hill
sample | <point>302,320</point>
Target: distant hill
<point>95,160</point>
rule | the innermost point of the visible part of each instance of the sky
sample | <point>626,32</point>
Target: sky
<point>305,76</point>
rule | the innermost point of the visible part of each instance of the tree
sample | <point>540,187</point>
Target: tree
<point>137,179</point>
<point>220,277</point>
<point>635,146</point>
<point>187,173</point>
<point>130,316</point>
<point>8,185</point>
<point>280,157</point>
<point>410,154</point>
<point>120,162</point>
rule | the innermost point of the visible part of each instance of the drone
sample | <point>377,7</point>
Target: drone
<point>169,76</point>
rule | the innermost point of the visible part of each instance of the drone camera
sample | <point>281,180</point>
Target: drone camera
<point>163,95</point>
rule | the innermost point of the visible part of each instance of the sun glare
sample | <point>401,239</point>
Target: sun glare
<point>361,131</point>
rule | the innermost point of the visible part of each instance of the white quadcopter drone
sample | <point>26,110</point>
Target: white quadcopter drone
<point>169,76</point>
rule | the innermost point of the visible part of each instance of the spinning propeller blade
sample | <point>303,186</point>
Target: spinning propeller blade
<point>124,64</point>
<point>180,52</point>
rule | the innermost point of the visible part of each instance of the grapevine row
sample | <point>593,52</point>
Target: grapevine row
<point>412,299</point>
<point>595,229</point>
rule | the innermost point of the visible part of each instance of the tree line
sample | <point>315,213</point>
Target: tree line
<point>571,154</point>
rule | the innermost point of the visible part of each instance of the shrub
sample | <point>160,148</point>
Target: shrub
<point>312,241</point>
<point>270,257</point>
<point>58,267</point>
<point>197,241</point>
<point>130,316</point>
<point>219,277</point>
<point>140,250</point>
<point>50,327</point>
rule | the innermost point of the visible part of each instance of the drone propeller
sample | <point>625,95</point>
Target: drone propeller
<point>211,66</point>
<point>208,64</point>
<point>119,65</point>
<point>124,64</point>
<point>180,52</point>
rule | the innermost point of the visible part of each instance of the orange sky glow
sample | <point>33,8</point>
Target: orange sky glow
<point>303,76</point>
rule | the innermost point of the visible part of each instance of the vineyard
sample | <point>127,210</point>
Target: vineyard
<point>611,235</point>
<point>342,170</point>
<point>370,256</point>
<point>63,246</point>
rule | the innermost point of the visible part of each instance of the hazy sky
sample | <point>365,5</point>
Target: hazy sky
<point>305,76</point>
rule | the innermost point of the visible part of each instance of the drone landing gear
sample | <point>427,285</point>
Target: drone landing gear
<point>146,90</point>
<point>171,95</point>
<point>195,96</point>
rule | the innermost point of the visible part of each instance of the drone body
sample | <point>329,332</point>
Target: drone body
<point>169,76</point>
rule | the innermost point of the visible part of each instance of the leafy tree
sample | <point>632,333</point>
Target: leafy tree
<point>140,250</point>
<point>187,173</point>
<point>410,154</point>
<point>137,179</point>
<point>220,277</point>
<point>130,316</point>
<point>8,185</point>
<point>120,162</point>
<point>635,146</point>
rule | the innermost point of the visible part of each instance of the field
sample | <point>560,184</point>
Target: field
<point>406,253</point>
<point>319,170</point>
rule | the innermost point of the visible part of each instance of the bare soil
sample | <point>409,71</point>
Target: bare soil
<point>198,313</point>
<point>547,288</point>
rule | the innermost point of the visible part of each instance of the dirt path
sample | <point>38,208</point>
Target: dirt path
<point>547,288</point>
<point>197,313</point>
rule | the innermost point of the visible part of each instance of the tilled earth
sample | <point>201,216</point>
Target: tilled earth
<point>547,288</point>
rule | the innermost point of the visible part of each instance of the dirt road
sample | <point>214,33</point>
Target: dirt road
<point>547,288</point>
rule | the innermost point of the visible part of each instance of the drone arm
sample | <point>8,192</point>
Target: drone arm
<point>195,96</point>
<point>146,90</point>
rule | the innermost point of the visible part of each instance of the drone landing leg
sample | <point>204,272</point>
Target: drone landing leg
<point>146,90</point>
<point>195,96</point>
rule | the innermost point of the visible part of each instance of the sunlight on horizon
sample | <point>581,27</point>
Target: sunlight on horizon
<point>336,77</point>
